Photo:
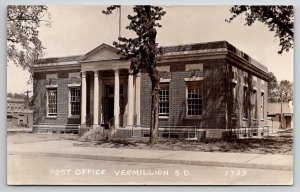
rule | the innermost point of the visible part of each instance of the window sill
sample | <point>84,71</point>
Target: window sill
<point>245,119</point>
<point>262,119</point>
<point>193,117</point>
<point>51,117</point>
<point>163,117</point>
<point>74,117</point>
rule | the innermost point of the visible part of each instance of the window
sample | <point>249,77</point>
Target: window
<point>234,99</point>
<point>245,107</point>
<point>164,100</point>
<point>262,97</point>
<point>254,104</point>
<point>233,74</point>
<point>52,102</point>
<point>74,101</point>
<point>194,98</point>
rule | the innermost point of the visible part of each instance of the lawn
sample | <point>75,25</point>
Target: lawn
<point>280,144</point>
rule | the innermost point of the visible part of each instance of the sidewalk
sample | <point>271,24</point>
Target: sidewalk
<point>67,149</point>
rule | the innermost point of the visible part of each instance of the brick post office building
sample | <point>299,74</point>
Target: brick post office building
<point>212,86</point>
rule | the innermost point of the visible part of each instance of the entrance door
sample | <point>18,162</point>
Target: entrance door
<point>110,108</point>
<point>288,121</point>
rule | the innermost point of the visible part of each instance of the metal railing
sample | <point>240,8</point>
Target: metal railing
<point>186,132</point>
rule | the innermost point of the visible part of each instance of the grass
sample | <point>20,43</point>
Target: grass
<point>268,145</point>
<point>280,144</point>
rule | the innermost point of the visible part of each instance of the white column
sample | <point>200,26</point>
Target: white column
<point>83,97</point>
<point>117,99</point>
<point>130,101</point>
<point>96,99</point>
<point>138,98</point>
<point>100,100</point>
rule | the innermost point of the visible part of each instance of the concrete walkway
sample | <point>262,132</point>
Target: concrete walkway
<point>66,149</point>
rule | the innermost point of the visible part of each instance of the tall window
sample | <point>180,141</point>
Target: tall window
<point>254,104</point>
<point>52,102</point>
<point>262,95</point>
<point>194,97</point>
<point>75,101</point>
<point>245,107</point>
<point>234,99</point>
<point>164,100</point>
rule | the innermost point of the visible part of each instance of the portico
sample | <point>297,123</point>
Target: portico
<point>108,90</point>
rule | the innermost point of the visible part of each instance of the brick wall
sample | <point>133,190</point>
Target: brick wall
<point>214,104</point>
<point>216,97</point>
<point>40,98</point>
<point>235,114</point>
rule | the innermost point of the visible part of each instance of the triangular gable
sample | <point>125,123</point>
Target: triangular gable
<point>102,52</point>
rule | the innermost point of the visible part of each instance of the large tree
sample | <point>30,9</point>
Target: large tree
<point>23,43</point>
<point>272,88</point>
<point>278,18</point>
<point>143,52</point>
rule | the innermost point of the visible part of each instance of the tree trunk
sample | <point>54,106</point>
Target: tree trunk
<point>154,107</point>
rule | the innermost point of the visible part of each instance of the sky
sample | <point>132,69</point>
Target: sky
<point>75,30</point>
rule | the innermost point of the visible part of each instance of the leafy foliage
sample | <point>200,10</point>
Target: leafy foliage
<point>279,19</point>
<point>282,91</point>
<point>23,43</point>
<point>272,88</point>
<point>285,91</point>
<point>143,51</point>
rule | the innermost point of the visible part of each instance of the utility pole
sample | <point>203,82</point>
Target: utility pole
<point>27,105</point>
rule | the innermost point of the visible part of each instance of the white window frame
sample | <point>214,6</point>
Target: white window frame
<point>193,80</point>
<point>74,86</point>
<point>167,102</point>
<point>51,115</point>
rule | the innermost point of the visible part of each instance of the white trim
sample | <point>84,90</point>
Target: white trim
<point>194,78</point>
<point>161,80</point>
<point>163,68</point>
<point>197,66</point>
<point>234,81</point>
<point>74,85</point>
<point>163,117</point>
<point>51,86</point>
<point>50,117</point>
<point>74,74</point>
<point>47,103</point>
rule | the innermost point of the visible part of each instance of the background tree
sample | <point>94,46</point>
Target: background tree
<point>23,43</point>
<point>272,88</point>
<point>279,19</point>
<point>285,94</point>
<point>143,52</point>
<point>285,91</point>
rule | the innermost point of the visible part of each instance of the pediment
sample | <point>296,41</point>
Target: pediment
<point>100,53</point>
